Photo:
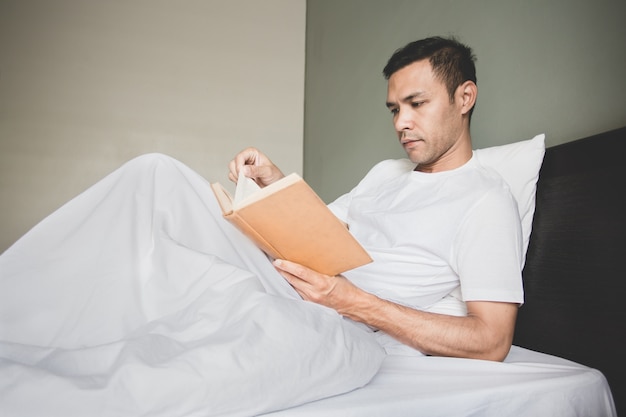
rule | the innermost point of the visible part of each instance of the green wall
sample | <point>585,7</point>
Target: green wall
<point>554,67</point>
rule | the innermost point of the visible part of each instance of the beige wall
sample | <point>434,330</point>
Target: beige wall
<point>87,85</point>
<point>543,66</point>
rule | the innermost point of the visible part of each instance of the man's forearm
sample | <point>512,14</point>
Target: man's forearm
<point>435,334</point>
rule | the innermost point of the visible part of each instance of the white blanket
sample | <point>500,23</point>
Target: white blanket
<point>137,298</point>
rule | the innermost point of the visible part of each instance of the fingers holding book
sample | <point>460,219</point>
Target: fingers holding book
<point>256,165</point>
<point>334,291</point>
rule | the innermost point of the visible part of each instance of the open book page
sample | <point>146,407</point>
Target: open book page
<point>245,188</point>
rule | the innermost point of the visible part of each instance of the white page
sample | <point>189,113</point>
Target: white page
<point>245,188</point>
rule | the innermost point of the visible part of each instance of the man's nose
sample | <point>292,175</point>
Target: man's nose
<point>403,121</point>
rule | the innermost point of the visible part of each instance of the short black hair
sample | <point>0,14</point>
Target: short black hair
<point>452,62</point>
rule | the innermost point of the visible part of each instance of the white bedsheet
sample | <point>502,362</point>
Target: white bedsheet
<point>527,384</point>
<point>137,298</point>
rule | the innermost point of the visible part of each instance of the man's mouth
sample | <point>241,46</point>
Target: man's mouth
<point>406,141</point>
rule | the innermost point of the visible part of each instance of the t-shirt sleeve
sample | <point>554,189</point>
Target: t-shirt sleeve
<point>488,251</point>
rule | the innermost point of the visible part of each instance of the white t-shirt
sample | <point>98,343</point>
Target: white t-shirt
<point>437,239</point>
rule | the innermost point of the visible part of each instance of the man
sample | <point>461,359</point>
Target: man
<point>443,232</point>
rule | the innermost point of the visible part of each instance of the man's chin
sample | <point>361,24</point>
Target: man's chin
<point>413,156</point>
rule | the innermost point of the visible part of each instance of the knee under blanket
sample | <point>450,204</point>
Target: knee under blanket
<point>137,298</point>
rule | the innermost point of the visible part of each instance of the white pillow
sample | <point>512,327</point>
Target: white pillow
<point>518,164</point>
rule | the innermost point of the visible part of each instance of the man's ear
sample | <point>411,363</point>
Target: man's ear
<point>467,94</point>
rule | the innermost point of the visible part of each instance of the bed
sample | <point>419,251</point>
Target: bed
<point>130,300</point>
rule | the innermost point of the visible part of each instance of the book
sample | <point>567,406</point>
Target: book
<point>288,220</point>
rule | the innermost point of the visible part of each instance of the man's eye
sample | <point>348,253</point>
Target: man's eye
<point>394,111</point>
<point>417,103</point>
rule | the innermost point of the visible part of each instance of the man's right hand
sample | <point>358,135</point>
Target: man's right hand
<point>256,165</point>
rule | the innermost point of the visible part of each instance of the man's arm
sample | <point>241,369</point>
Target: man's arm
<point>485,333</point>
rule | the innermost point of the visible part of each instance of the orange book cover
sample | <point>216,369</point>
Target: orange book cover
<point>288,220</point>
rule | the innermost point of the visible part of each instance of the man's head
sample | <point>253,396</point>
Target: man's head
<point>431,93</point>
<point>451,61</point>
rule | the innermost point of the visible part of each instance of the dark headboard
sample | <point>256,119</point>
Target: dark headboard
<point>575,273</point>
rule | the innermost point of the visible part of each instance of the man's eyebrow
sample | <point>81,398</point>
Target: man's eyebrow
<point>408,98</point>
